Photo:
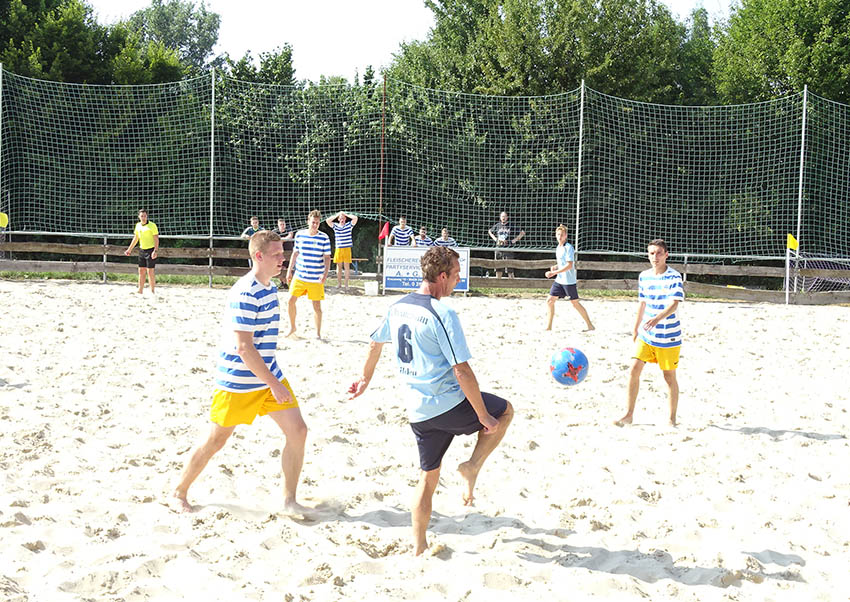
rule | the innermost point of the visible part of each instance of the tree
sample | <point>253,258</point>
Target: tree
<point>695,79</point>
<point>56,41</point>
<point>775,47</point>
<point>533,47</point>
<point>275,67</point>
<point>178,24</point>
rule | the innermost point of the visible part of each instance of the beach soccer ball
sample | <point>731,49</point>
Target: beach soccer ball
<point>568,366</point>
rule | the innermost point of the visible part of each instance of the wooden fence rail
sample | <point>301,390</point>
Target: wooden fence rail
<point>105,266</point>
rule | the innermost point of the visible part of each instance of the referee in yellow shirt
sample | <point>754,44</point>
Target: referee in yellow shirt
<point>147,235</point>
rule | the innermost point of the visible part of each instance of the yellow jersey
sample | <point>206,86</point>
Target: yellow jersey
<point>146,233</point>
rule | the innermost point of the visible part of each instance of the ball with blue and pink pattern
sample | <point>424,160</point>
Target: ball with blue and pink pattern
<point>569,366</point>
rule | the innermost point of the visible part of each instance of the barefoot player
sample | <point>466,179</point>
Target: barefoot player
<point>444,398</point>
<point>249,382</point>
<point>659,338</point>
<point>565,279</point>
<point>147,235</point>
<point>308,270</point>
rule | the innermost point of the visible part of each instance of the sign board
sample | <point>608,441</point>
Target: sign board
<point>402,271</point>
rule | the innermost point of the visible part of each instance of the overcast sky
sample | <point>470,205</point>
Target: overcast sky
<point>328,37</point>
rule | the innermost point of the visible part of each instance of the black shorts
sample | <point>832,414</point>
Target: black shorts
<point>564,290</point>
<point>145,259</point>
<point>434,436</point>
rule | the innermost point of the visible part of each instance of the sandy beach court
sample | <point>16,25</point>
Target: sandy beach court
<point>103,392</point>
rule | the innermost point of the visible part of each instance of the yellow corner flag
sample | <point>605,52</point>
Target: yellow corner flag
<point>792,242</point>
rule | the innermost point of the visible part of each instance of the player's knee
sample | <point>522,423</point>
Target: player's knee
<point>670,376</point>
<point>551,300</point>
<point>298,432</point>
<point>217,441</point>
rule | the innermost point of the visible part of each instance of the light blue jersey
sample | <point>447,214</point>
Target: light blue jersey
<point>564,255</point>
<point>428,342</point>
<point>251,307</point>
<point>310,263</point>
<point>659,291</point>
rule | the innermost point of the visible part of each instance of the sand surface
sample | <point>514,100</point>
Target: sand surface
<point>103,393</point>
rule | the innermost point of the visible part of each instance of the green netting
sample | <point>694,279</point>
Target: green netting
<point>83,159</point>
<point>716,182</point>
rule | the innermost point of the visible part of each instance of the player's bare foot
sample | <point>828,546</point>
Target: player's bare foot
<point>673,422</point>
<point>292,335</point>
<point>469,472</point>
<point>181,503</point>
<point>589,328</point>
<point>623,421</point>
<point>294,509</point>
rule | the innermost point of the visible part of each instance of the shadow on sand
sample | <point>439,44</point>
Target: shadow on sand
<point>777,435</point>
<point>647,567</point>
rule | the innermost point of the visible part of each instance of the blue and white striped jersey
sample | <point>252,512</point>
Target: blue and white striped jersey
<point>449,242</point>
<point>342,232</point>
<point>251,307</point>
<point>310,264</point>
<point>659,292</point>
<point>401,236</point>
<point>423,242</point>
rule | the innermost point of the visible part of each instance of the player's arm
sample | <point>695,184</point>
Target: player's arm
<point>493,234</point>
<point>327,268</point>
<point>291,266</point>
<point>255,363</point>
<point>359,386</point>
<point>652,322</point>
<point>556,270</point>
<point>469,385</point>
<point>641,309</point>
<point>519,237</point>
<point>244,234</point>
<point>330,220</point>
<point>353,219</point>
<point>155,245</point>
<point>132,243</point>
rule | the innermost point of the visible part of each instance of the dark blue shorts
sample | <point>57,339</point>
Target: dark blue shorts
<point>564,290</point>
<point>434,436</point>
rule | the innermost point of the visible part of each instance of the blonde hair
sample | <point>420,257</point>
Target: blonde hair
<point>260,240</point>
<point>315,213</point>
<point>561,227</point>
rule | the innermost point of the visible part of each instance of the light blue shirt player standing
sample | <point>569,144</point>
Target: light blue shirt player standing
<point>445,400</point>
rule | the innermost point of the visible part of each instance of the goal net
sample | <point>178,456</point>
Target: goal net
<point>205,154</point>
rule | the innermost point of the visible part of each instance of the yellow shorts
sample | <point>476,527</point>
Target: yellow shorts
<point>342,255</point>
<point>667,358</point>
<point>315,291</point>
<point>230,409</point>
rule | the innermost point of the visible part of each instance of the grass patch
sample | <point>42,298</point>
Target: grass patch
<point>218,281</point>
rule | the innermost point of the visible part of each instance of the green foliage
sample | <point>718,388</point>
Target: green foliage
<point>190,30</point>
<point>775,47</point>
<point>274,67</point>
<point>62,41</point>
<point>631,48</point>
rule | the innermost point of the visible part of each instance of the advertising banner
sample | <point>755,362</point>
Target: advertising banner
<point>402,272</point>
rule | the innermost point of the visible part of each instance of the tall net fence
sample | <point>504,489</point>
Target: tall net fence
<point>203,155</point>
